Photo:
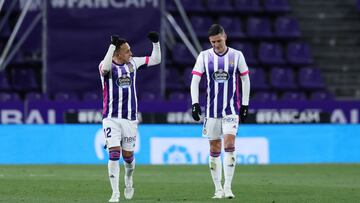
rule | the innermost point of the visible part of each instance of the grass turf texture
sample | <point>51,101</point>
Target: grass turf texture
<point>252,183</point>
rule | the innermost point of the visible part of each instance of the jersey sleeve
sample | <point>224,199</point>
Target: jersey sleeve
<point>152,60</point>
<point>105,65</point>
<point>242,66</point>
<point>199,68</point>
<point>139,61</point>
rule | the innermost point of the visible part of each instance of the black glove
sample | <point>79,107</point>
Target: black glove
<point>153,36</point>
<point>115,40</point>
<point>196,111</point>
<point>243,113</point>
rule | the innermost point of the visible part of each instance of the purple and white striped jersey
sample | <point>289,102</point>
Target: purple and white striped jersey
<point>119,89</point>
<point>222,76</point>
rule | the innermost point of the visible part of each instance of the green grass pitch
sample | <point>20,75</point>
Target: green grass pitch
<point>252,183</point>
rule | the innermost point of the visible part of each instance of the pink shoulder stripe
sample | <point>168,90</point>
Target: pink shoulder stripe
<point>196,73</point>
<point>146,60</point>
<point>244,73</point>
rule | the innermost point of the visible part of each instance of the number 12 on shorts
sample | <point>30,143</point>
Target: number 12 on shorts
<point>107,132</point>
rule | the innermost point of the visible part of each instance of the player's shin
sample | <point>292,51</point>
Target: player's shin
<point>114,170</point>
<point>129,163</point>
<point>216,169</point>
<point>229,166</point>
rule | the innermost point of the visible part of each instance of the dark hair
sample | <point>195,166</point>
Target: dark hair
<point>119,43</point>
<point>215,29</point>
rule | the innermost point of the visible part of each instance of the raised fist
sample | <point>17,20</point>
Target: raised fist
<point>115,40</point>
<point>153,36</point>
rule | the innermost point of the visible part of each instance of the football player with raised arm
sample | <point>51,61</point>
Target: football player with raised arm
<point>118,72</point>
<point>222,67</point>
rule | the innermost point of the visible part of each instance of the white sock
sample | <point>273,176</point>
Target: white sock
<point>216,171</point>
<point>129,171</point>
<point>229,168</point>
<point>114,172</point>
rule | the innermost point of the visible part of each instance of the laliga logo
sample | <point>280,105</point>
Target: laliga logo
<point>99,143</point>
<point>177,155</point>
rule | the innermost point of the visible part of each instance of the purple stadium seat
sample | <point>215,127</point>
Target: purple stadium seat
<point>321,96</point>
<point>189,5</point>
<point>263,96</point>
<point>66,97</point>
<point>276,6</point>
<point>194,6</point>
<point>181,23</point>
<point>179,97</point>
<point>293,96</point>
<point>298,53</point>
<point>24,79</point>
<point>219,6</point>
<point>282,78</point>
<point>182,55</point>
<point>259,28</point>
<point>206,45</point>
<point>258,79</point>
<point>9,97</point>
<point>310,78</point>
<point>201,25</point>
<point>148,96</point>
<point>36,96</point>
<point>247,6</point>
<point>187,76</point>
<point>4,82</point>
<point>271,53</point>
<point>232,26</point>
<point>287,27</point>
<point>173,79</point>
<point>248,50</point>
<point>91,96</point>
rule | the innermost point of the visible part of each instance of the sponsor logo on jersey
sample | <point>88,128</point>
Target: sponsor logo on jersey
<point>220,76</point>
<point>123,81</point>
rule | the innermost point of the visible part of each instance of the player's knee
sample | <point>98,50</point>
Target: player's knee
<point>128,156</point>
<point>215,146</point>
<point>114,155</point>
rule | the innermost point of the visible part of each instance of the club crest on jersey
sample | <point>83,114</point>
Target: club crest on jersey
<point>131,67</point>
<point>123,81</point>
<point>220,76</point>
<point>231,64</point>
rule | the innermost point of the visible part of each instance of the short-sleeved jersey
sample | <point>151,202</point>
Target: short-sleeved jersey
<point>119,89</point>
<point>222,75</point>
